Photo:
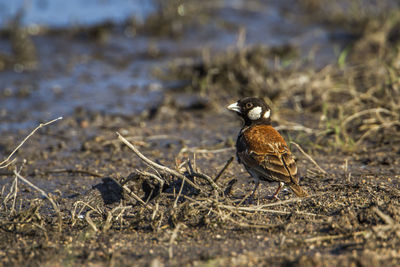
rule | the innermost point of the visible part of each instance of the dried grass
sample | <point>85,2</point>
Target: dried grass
<point>356,98</point>
<point>209,203</point>
<point>358,104</point>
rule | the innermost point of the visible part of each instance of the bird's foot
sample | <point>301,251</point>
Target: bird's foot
<point>274,197</point>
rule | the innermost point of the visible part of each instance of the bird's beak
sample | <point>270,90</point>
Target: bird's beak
<point>234,107</point>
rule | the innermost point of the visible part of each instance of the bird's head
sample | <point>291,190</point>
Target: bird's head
<point>253,110</point>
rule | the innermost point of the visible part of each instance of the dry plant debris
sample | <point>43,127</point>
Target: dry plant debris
<point>197,211</point>
<point>357,96</point>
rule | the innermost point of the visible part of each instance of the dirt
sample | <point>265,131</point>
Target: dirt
<point>109,211</point>
<point>340,224</point>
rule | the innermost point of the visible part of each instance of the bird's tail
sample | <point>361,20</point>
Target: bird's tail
<point>298,190</point>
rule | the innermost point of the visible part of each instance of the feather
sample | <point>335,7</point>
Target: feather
<point>264,151</point>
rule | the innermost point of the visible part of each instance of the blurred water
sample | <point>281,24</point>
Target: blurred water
<point>75,75</point>
<point>115,76</point>
<point>59,13</point>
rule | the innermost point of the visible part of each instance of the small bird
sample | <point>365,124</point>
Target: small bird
<point>262,150</point>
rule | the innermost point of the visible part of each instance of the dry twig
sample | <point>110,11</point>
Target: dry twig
<point>90,221</point>
<point>223,169</point>
<point>386,218</point>
<point>132,194</point>
<point>179,194</point>
<point>55,206</point>
<point>309,157</point>
<point>295,127</point>
<point>155,165</point>
<point>172,239</point>
<point>204,151</point>
<point>6,162</point>
<point>260,209</point>
<point>84,204</point>
<point>333,237</point>
<point>53,203</point>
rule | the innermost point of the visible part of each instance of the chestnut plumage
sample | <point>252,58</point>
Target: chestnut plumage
<point>262,150</point>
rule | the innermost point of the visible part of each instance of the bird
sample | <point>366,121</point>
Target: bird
<point>262,150</point>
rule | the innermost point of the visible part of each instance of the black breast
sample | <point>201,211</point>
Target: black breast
<point>240,145</point>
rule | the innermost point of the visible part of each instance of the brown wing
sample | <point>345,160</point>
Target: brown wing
<point>267,154</point>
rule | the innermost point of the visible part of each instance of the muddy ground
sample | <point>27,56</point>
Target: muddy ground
<point>95,202</point>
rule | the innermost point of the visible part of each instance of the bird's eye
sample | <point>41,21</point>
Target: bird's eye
<point>249,105</point>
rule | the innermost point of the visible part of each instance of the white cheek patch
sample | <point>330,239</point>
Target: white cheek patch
<point>267,114</point>
<point>254,113</point>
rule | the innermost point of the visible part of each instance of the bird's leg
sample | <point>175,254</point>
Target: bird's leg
<point>275,195</point>
<point>257,183</point>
